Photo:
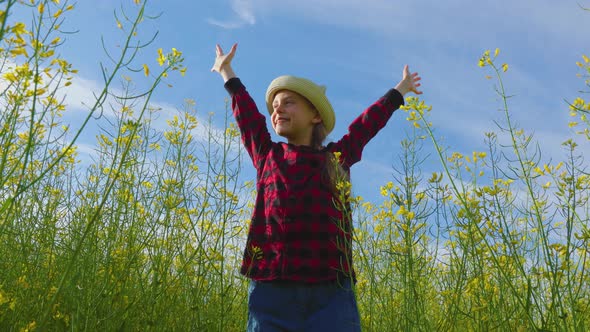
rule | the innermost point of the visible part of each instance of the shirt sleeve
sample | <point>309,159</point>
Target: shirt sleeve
<point>252,123</point>
<point>366,126</point>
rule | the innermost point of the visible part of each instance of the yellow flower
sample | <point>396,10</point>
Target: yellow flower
<point>504,67</point>
<point>337,155</point>
<point>435,178</point>
<point>176,53</point>
<point>161,57</point>
<point>378,228</point>
<point>30,327</point>
<point>10,77</point>
<point>19,51</point>
<point>146,70</point>
<point>256,252</point>
<point>3,299</point>
<point>402,210</point>
<point>19,28</point>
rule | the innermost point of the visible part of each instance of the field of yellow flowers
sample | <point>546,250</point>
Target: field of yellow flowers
<point>148,237</point>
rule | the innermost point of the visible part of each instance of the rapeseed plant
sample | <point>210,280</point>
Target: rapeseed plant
<point>149,234</point>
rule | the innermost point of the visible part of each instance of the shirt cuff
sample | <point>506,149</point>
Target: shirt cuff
<point>233,85</point>
<point>395,98</point>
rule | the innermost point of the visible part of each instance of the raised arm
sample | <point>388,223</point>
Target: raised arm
<point>252,124</point>
<point>375,117</point>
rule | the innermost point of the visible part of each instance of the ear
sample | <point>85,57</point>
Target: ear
<point>316,119</point>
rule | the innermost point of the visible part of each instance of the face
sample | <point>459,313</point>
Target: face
<point>293,117</point>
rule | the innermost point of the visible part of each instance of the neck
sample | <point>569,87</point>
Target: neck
<point>304,138</point>
<point>306,142</point>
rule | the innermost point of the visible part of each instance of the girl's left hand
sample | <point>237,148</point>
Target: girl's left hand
<point>409,82</point>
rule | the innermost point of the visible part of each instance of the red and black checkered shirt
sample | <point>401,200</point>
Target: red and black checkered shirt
<point>297,232</point>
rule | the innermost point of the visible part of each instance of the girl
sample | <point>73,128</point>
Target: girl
<point>298,252</point>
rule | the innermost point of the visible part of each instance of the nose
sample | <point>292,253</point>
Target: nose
<point>279,108</point>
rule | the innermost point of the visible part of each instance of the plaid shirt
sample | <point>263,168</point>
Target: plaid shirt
<point>297,231</point>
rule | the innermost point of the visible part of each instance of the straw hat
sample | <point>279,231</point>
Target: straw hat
<point>316,94</point>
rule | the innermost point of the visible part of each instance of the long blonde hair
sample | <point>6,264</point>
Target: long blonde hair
<point>332,172</point>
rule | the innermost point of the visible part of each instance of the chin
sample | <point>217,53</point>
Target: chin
<point>280,132</point>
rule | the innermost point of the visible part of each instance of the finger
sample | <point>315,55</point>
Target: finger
<point>232,51</point>
<point>406,70</point>
<point>218,50</point>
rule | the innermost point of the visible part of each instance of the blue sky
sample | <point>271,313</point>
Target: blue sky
<point>358,49</point>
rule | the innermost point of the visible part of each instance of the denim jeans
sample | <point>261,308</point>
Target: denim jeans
<point>290,306</point>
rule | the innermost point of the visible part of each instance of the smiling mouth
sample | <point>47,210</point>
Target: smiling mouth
<point>281,120</point>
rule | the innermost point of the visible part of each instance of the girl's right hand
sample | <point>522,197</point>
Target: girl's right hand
<point>222,63</point>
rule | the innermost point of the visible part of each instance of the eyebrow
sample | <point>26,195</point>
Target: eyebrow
<point>287,98</point>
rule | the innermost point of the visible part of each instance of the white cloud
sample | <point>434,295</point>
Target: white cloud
<point>81,97</point>
<point>82,93</point>
<point>243,10</point>
<point>456,21</point>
